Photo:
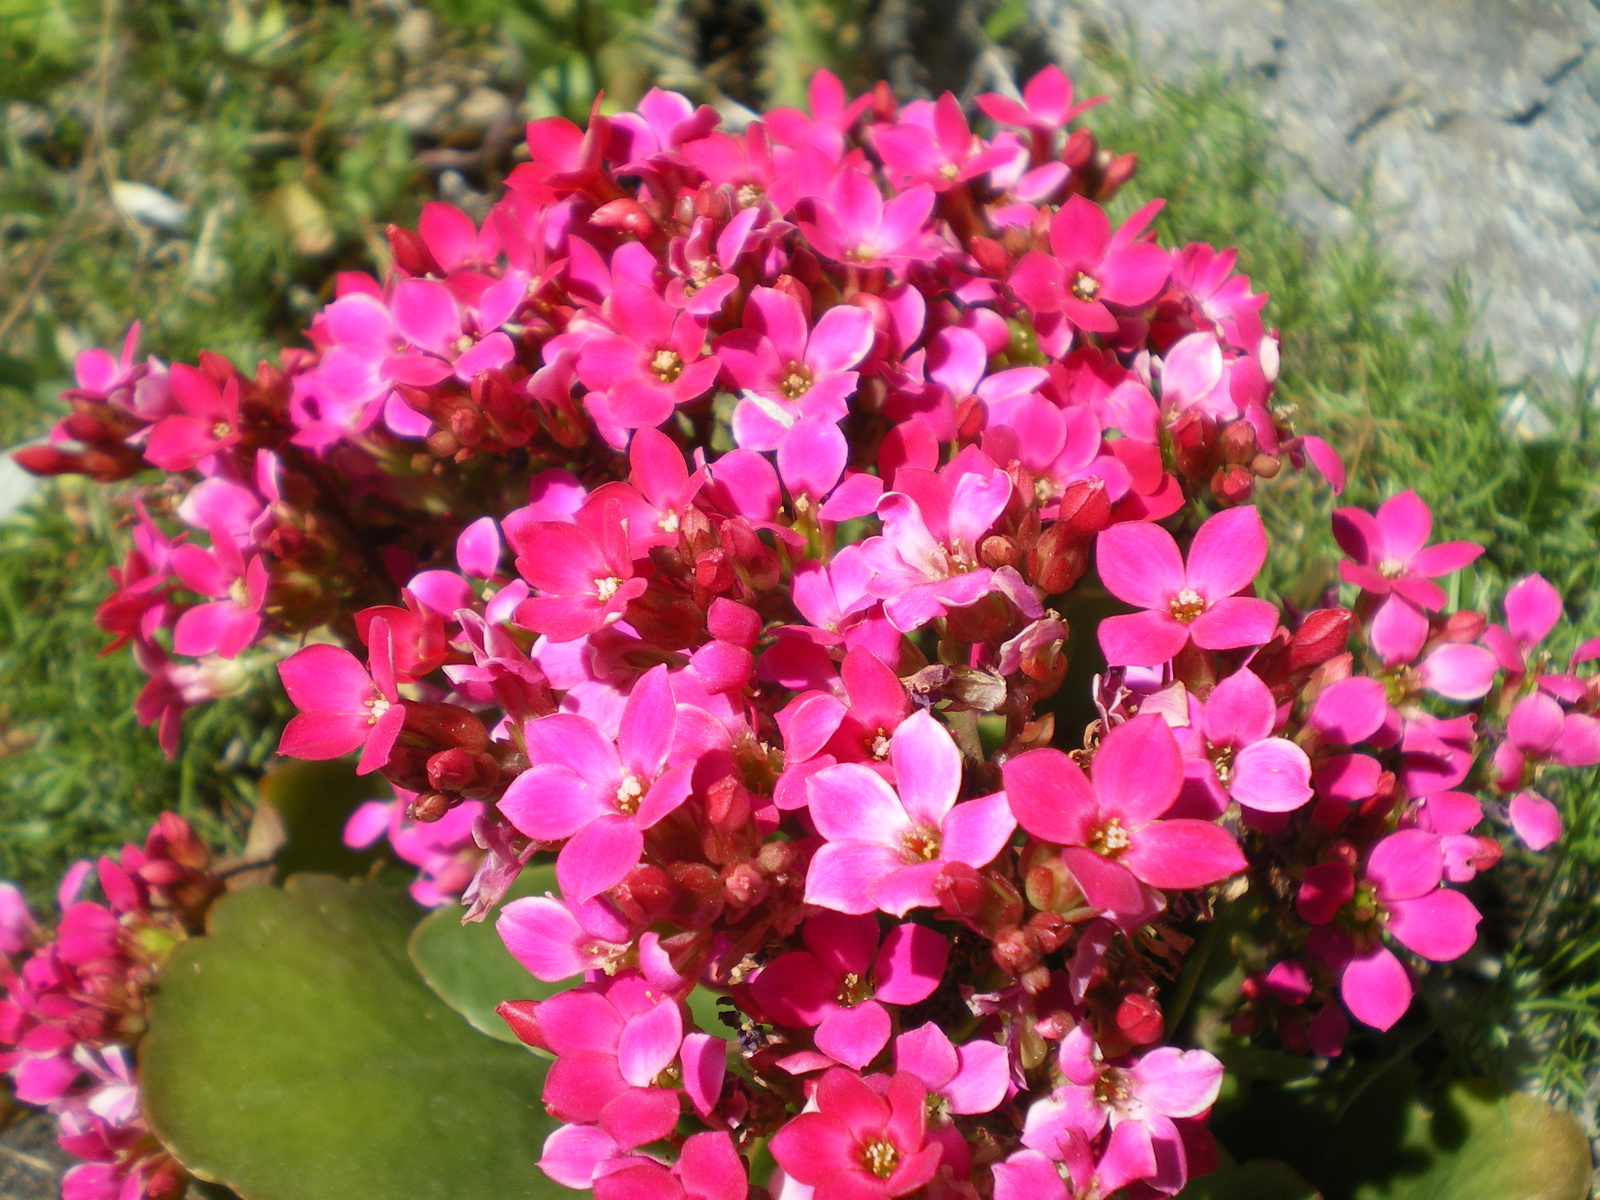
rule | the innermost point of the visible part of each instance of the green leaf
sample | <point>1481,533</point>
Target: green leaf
<point>1260,1179</point>
<point>315,799</point>
<point>1478,1145</point>
<point>1005,19</point>
<point>295,1054</point>
<point>469,967</point>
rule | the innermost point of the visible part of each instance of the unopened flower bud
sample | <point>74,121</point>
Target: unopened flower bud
<point>428,807</point>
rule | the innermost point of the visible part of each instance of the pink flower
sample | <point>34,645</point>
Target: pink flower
<point>651,361</point>
<point>860,1145</point>
<point>852,224</point>
<point>582,571</point>
<point>341,706</point>
<point>597,795</point>
<point>708,1168</point>
<point>1388,552</point>
<point>840,984</point>
<point>1140,564</point>
<point>1540,730</point>
<point>1114,840</point>
<point>787,371</point>
<point>811,462</point>
<point>1455,670</point>
<point>1536,821</point>
<point>1090,266</point>
<point>1046,103</point>
<point>933,145</point>
<point>1230,751</point>
<point>556,939</point>
<point>238,589</point>
<point>1152,1089</point>
<point>208,421</point>
<point>887,848</point>
<point>967,1079</point>
<point>17,929</point>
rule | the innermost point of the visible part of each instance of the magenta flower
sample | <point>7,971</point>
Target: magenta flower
<point>238,589</point>
<point>811,462</point>
<point>852,224</point>
<point>582,570</point>
<point>1091,267</point>
<point>1388,551</point>
<point>556,939</point>
<point>651,361</point>
<point>708,1168</point>
<point>926,562</point>
<point>208,421</point>
<point>1541,731</point>
<point>1455,670</point>
<point>860,1145</point>
<point>1046,106</point>
<point>1140,563</point>
<point>341,706</point>
<point>1536,821</point>
<point>1152,1089</point>
<point>787,371</point>
<point>1129,1157</point>
<point>597,795</point>
<point>840,984</point>
<point>887,847</point>
<point>967,1079</point>
<point>1229,749</point>
<point>1403,894</point>
<point>933,145</point>
<point>833,113</point>
<point>1113,838</point>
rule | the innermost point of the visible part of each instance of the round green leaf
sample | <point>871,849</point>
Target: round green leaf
<point>1481,1145</point>
<point>1259,1179</point>
<point>295,1054</point>
<point>469,967</point>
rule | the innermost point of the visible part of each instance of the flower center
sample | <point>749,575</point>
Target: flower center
<point>667,366</point>
<point>1111,1090</point>
<point>221,430</point>
<point>797,382</point>
<point>1044,490</point>
<point>747,195</point>
<point>376,707</point>
<point>949,171</point>
<point>1085,287</point>
<point>853,989</point>
<point>1186,605</point>
<point>607,587</point>
<point>862,253</point>
<point>629,794</point>
<point>239,594</point>
<point>669,523</point>
<point>879,746</point>
<point>1222,762</point>
<point>1391,568</point>
<point>921,844</point>
<point>1110,840</point>
<point>464,343</point>
<point>879,1157</point>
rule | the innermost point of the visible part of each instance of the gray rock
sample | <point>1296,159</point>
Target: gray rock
<point>1472,125</point>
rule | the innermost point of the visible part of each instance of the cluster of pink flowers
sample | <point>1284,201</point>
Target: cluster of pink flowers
<point>72,1005</point>
<point>733,487</point>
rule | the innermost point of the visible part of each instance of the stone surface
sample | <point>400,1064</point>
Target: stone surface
<point>1470,125</point>
<point>31,1164</point>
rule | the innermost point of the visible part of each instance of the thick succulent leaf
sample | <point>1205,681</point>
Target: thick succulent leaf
<point>469,967</point>
<point>295,1054</point>
<point>313,801</point>
<point>1480,1145</point>
<point>1260,1179</point>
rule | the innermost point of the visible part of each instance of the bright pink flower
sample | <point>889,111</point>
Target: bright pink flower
<point>238,589</point>
<point>1536,820</point>
<point>341,706</point>
<point>582,571</point>
<point>708,1168</point>
<point>853,225</point>
<point>860,1145</point>
<point>1540,730</point>
<point>926,562</point>
<point>556,939</point>
<point>811,462</point>
<point>833,114</point>
<point>1455,670</point>
<point>786,370</point>
<point>970,1078</point>
<point>17,929</point>
<point>840,984</point>
<point>1129,1157</point>
<point>1151,1089</point>
<point>1388,550</point>
<point>208,421</point>
<point>653,360</point>
<point>888,846</point>
<point>1140,564</point>
<point>1091,267</point>
<point>1230,751</point>
<point>933,145</point>
<point>1114,840</point>
<point>1046,105</point>
<point>1206,275</point>
<point>597,795</point>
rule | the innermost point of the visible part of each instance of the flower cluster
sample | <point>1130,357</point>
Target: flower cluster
<point>735,487</point>
<point>72,1009</point>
